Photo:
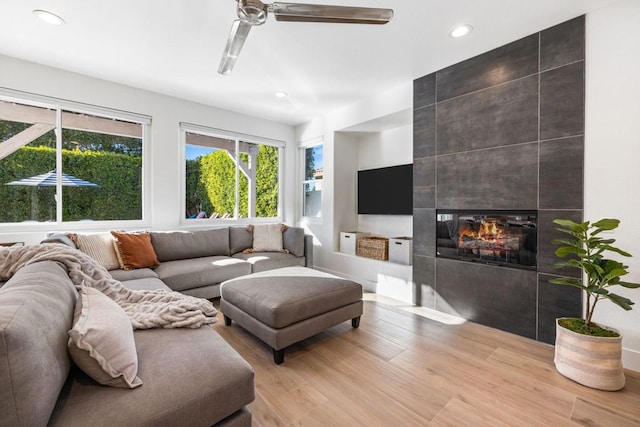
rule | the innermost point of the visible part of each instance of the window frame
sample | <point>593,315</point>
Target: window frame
<point>302,147</point>
<point>237,137</point>
<point>60,105</point>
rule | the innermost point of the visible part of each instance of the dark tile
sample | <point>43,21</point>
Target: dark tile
<point>562,102</point>
<point>555,301</point>
<point>424,180</point>
<point>424,171</point>
<point>509,62</point>
<point>562,44</point>
<point>424,197</point>
<point>561,173</point>
<point>499,297</point>
<point>501,115</point>
<point>424,232</point>
<point>424,132</point>
<point>424,278</point>
<point>424,91</point>
<point>497,178</point>
<point>546,233</point>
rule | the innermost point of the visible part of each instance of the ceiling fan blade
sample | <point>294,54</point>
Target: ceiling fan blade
<point>299,12</point>
<point>237,37</point>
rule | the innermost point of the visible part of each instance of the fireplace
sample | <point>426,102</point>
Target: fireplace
<point>507,238</point>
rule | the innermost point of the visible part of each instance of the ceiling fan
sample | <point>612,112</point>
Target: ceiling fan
<point>254,12</point>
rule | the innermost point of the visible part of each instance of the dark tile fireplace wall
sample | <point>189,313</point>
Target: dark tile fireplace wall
<point>501,131</point>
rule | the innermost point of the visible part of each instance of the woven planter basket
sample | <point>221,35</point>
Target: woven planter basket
<point>595,362</point>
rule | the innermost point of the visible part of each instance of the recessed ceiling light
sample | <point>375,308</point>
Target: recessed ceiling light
<point>461,31</point>
<point>48,17</point>
<point>281,94</point>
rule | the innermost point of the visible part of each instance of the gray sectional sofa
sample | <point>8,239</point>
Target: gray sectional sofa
<point>197,262</point>
<point>190,376</point>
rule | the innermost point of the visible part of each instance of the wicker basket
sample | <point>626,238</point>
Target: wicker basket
<point>373,247</point>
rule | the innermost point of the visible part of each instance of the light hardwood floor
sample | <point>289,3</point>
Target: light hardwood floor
<point>402,369</point>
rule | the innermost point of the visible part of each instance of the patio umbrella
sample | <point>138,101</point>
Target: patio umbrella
<point>49,180</point>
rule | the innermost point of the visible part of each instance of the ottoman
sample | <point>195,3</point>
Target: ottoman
<point>286,305</point>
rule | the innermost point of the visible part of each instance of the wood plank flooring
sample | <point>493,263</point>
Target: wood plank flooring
<point>403,369</point>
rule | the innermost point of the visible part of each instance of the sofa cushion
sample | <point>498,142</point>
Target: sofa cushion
<point>37,311</point>
<point>134,250</point>
<point>175,245</point>
<point>262,261</point>
<point>99,246</point>
<point>101,340</point>
<point>192,377</point>
<point>146,284</point>
<point>138,273</point>
<point>197,272</point>
<point>293,240</point>
<point>239,239</point>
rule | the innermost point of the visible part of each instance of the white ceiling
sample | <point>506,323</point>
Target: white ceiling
<point>174,47</point>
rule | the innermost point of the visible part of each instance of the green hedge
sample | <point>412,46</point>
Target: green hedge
<point>119,176</point>
<point>210,184</point>
<point>211,179</point>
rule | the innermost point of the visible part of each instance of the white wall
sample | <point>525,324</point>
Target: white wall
<point>166,113</point>
<point>390,147</point>
<point>345,152</point>
<point>344,192</point>
<point>612,151</point>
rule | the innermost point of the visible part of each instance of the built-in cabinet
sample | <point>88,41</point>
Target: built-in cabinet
<point>375,145</point>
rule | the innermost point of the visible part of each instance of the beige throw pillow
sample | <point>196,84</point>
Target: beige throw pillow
<point>99,246</point>
<point>101,341</point>
<point>268,237</point>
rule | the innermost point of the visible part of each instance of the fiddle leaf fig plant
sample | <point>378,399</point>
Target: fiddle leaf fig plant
<point>585,249</point>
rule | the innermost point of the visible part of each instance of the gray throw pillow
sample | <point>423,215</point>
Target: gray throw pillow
<point>60,238</point>
<point>293,240</point>
<point>240,239</point>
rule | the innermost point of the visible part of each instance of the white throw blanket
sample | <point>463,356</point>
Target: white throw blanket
<point>146,309</point>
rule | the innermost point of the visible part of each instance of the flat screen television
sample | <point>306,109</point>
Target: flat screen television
<point>386,191</point>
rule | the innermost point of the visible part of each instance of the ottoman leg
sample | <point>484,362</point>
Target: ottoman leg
<point>278,356</point>
<point>227,320</point>
<point>355,322</point>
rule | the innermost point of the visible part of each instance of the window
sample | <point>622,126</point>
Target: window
<point>62,165</point>
<point>312,181</point>
<point>230,176</point>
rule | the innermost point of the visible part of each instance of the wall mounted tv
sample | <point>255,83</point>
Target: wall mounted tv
<point>386,191</point>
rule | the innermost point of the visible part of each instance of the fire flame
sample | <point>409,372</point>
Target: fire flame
<point>489,231</point>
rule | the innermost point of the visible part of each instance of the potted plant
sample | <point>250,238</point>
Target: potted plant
<point>586,352</point>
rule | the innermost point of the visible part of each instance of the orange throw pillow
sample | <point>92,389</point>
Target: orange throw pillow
<point>135,250</point>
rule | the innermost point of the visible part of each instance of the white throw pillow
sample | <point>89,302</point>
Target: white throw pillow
<point>268,237</point>
<point>99,246</point>
<point>101,341</point>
